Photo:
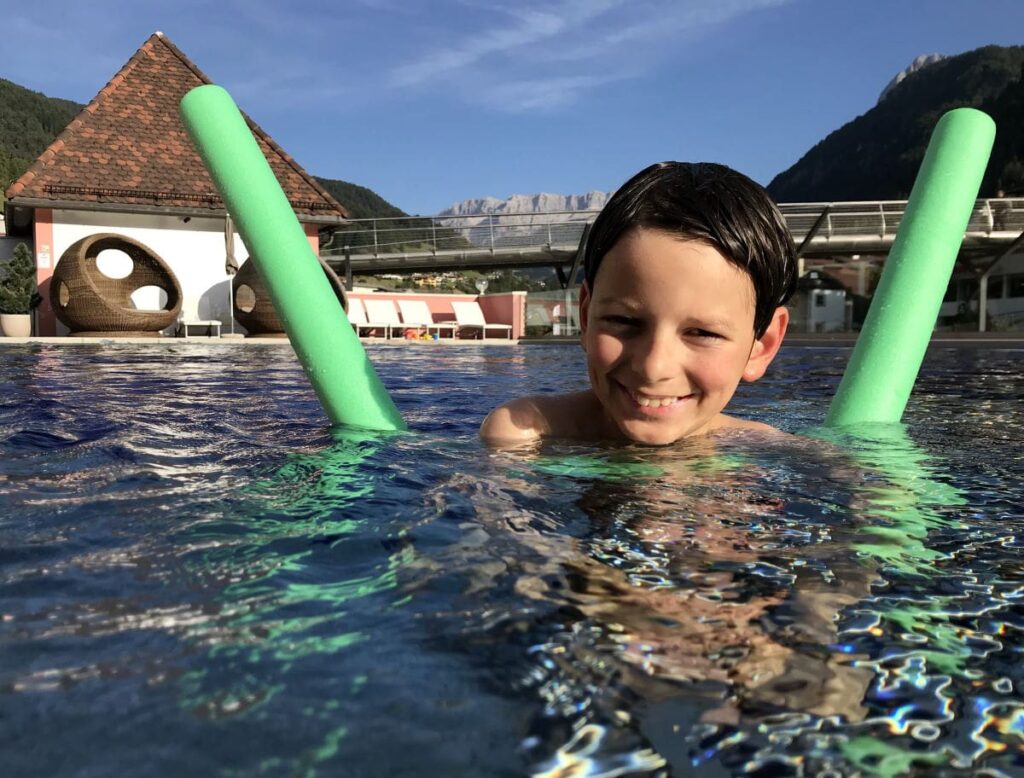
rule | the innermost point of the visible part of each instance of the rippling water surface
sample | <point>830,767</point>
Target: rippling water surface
<point>197,574</point>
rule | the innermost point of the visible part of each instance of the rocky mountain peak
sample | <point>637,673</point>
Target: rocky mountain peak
<point>920,61</point>
<point>532,203</point>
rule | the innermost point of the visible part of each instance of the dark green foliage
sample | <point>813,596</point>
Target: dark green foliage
<point>876,156</point>
<point>399,233</point>
<point>18,283</point>
<point>29,122</point>
<point>360,202</point>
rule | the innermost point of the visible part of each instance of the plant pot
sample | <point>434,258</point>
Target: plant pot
<point>16,325</point>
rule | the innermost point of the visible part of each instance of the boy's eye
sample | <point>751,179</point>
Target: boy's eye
<point>708,334</point>
<point>617,320</point>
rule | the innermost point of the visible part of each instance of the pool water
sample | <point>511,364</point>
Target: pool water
<point>198,576</point>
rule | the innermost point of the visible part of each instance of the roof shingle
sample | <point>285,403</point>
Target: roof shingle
<point>129,148</point>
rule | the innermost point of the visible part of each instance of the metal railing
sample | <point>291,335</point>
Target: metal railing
<point>881,219</point>
<point>842,226</point>
<point>445,234</point>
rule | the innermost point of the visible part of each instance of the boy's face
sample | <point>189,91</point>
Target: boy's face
<point>669,333</point>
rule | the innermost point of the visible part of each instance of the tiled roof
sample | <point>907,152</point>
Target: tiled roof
<point>128,149</point>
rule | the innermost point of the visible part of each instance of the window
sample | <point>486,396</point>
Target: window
<point>819,299</point>
<point>1016,282</point>
<point>995,287</point>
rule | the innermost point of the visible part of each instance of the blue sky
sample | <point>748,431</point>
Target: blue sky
<point>428,103</point>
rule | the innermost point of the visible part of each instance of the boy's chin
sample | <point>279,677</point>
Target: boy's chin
<point>651,434</point>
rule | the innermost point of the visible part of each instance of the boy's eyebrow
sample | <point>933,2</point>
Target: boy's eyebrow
<point>706,323</point>
<point>614,299</point>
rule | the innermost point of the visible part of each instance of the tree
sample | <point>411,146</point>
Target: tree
<point>18,285</point>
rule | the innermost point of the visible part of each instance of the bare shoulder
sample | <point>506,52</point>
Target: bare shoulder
<point>532,418</point>
<point>519,420</point>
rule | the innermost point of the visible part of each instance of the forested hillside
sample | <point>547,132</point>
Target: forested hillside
<point>29,121</point>
<point>876,156</point>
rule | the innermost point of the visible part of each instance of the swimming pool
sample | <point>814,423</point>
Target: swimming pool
<point>196,574</point>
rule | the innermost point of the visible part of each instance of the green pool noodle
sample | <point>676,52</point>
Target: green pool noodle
<point>342,376</point>
<point>888,354</point>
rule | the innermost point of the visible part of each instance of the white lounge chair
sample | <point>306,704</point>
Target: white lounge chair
<point>470,317</point>
<point>384,313</point>
<point>359,320</point>
<point>415,313</point>
<point>211,326</point>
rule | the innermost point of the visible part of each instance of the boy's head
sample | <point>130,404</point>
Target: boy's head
<point>688,268</point>
<point>710,203</point>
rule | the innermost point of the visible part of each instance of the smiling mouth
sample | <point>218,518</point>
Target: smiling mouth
<point>656,402</point>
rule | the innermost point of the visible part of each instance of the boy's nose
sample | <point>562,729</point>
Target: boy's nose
<point>658,358</point>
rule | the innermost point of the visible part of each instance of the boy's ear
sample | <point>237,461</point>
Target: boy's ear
<point>767,346</point>
<point>584,307</point>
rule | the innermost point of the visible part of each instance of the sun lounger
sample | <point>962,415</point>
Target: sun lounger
<point>357,316</point>
<point>415,313</point>
<point>470,318</point>
<point>384,313</point>
<point>212,327</point>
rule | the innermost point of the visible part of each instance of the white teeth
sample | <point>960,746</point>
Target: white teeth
<point>654,402</point>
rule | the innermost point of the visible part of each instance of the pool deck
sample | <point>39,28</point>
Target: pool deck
<point>1000,340</point>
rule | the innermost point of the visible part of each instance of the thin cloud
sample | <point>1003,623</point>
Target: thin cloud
<point>542,94</point>
<point>533,27</point>
<point>290,90</point>
<point>496,65</point>
<point>530,27</point>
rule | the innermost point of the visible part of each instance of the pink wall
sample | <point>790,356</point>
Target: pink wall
<point>504,308</point>
<point>46,320</point>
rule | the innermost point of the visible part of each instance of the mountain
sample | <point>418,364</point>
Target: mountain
<point>29,122</point>
<point>921,61</point>
<point>512,222</point>
<point>360,202</point>
<point>524,204</point>
<point>876,156</point>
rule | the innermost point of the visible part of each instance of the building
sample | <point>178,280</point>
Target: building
<point>126,165</point>
<point>1004,297</point>
<point>819,304</point>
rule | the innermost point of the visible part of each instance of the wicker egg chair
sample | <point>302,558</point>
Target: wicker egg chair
<point>91,304</point>
<point>254,309</point>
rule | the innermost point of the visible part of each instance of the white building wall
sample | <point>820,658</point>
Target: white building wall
<point>830,317</point>
<point>193,250</point>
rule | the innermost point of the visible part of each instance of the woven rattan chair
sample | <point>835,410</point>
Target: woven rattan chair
<point>92,304</point>
<point>254,309</point>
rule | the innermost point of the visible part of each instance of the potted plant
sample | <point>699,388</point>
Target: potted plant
<point>18,294</point>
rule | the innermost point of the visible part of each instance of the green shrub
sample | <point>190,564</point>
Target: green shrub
<point>18,284</point>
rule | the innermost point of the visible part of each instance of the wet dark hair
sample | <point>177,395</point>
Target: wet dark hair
<point>708,202</point>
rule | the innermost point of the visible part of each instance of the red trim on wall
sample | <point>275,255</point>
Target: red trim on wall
<point>313,234</point>
<point>46,320</point>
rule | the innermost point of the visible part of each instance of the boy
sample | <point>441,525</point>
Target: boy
<point>687,272</point>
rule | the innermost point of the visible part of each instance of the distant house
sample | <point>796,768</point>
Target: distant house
<point>126,165</point>
<point>1004,292</point>
<point>819,304</point>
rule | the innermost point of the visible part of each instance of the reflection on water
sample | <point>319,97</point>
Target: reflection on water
<point>197,574</point>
